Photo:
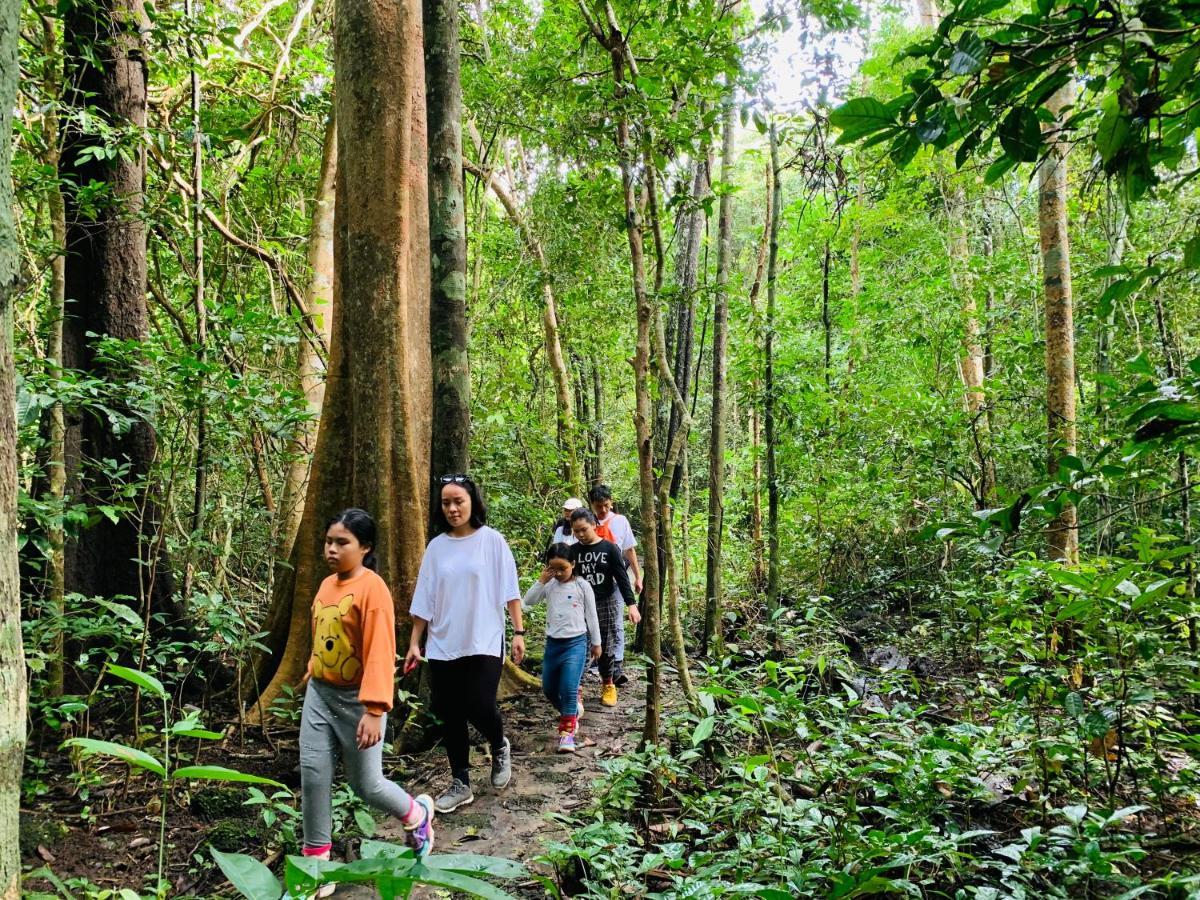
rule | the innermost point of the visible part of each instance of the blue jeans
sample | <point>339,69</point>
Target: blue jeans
<point>562,667</point>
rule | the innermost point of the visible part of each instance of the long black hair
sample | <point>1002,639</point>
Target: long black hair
<point>478,507</point>
<point>360,524</point>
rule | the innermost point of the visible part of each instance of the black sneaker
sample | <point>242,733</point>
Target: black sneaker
<point>621,680</point>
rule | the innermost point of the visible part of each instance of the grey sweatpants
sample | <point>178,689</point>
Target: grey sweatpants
<point>328,731</point>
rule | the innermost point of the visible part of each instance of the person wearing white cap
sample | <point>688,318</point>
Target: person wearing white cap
<point>562,528</point>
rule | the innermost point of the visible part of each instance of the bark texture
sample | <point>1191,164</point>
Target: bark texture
<point>12,658</point>
<point>106,296</point>
<point>1062,537</point>
<point>374,437</point>
<point>314,342</point>
<point>716,446</point>
<point>448,236</point>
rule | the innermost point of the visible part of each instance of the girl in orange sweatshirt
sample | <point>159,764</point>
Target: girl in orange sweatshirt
<point>350,686</point>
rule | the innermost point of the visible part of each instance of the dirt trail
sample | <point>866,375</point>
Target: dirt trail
<point>511,823</point>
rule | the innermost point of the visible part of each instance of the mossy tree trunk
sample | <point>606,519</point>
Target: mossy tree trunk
<point>12,658</point>
<point>450,451</point>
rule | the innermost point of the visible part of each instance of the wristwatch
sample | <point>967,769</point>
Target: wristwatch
<point>518,632</point>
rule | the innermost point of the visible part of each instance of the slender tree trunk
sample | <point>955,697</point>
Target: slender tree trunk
<point>928,13</point>
<point>826,314</point>
<point>716,447</point>
<point>105,293</point>
<point>1062,538</point>
<point>769,381</point>
<point>611,38</point>
<point>374,436</point>
<point>201,310</point>
<point>1116,229</point>
<point>680,337</point>
<point>554,352</point>
<point>855,339</point>
<point>598,418</point>
<point>56,480</point>
<point>314,343</point>
<point>12,658</point>
<point>758,575</point>
<point>448,255</point>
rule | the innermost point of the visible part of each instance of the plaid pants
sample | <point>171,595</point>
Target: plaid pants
<point>611,614</point>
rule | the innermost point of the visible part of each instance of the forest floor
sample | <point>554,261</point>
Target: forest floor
<point>512,823</point>
<point>103,831</point>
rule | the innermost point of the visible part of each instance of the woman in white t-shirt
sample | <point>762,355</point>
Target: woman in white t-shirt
<point>467,577</point>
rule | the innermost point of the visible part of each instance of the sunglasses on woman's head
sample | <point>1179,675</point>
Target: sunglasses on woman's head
<point>454,479</point>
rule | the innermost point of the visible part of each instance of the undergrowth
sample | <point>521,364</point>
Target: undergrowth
<point>1038,745</point>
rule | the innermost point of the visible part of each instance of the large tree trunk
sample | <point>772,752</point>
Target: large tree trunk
<point>1062,538</point>
<point>106,297</point>
<point>315,336</point>
<point>374,437</point>
<point>12,658</point>
<point>314,343</point>
<point>769,380</point>
<point>450,451</point>
<point>716,446</point>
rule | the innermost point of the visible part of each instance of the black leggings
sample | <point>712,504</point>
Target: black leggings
<point>464,690</point>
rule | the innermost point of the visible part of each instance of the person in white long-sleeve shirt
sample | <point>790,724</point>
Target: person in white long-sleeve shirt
<point>571,626</point>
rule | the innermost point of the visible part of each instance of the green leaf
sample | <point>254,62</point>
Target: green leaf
<point>1075,814</point>
<point>1111,134</point>
<point>1074,705</point>
<point>456,881</point>
<point>131,755</point>
<point>201,733</point>
<point>929,130</point>
<point>141,679</point>
<point>475,864</point>
<point>969,55</point>
<point>1181,69</point>
<point>364,820</point>
<point>1021,135</point>
<point>859,117</point>
<point>248,875</point>
<point>220,773</point>
<point>703,731</point>
<point>121,611</point>
<point>1191,252</point>
<point>999,169</point>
